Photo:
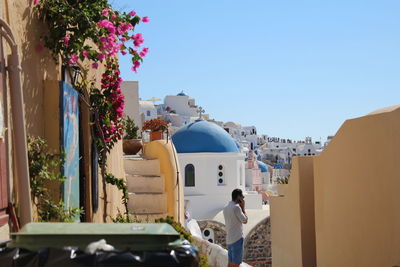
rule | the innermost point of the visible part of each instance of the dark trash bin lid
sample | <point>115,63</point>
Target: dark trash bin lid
<point>123,236</point>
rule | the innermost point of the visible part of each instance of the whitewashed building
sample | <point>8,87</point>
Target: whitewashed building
<point>282,151</point>
<point>130,89</point>
<point>212,166</point>
<point>180,110</point>
<point>148,110</point>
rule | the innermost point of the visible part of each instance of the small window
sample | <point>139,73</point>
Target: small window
<point>189,175</point>
<point>148,113</point>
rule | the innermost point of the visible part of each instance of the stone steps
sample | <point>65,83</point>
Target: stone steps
<point>146,188</point>
<point>147,203</point>
<point>138,183</point>
<point>141,166</point>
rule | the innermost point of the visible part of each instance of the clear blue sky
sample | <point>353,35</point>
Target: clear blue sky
<point>291,68</point>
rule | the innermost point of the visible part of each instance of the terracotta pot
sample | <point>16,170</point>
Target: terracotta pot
<point>156,135</point>
<point>131,146</point>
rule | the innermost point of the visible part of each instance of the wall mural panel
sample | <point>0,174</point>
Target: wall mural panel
<point>70,144</point>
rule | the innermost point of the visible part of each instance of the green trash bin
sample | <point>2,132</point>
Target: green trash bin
<point>123,236</point>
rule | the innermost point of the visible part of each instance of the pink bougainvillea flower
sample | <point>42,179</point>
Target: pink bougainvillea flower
<point>85,53</point>
<point>144,52</point>
<point>136,65</point>
<point>123,52</point>
<point>106,24</point>
<point>95,65</point>
<point>104,12</point>
<point>100,56</point>
<point>132,13</point>
<point>66,41</point>
<point>137,39</point>
<point>35,2</point>
<point>145,19</point>
<point>124,27</point>
<point>73,59</point>
<point>113,16</point>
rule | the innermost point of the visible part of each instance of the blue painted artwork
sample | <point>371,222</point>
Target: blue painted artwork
<point>70,144</point>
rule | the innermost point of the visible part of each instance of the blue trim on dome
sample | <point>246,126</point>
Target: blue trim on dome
<point>202,137</point>
<point>262,166</point>
<point>237,144</point>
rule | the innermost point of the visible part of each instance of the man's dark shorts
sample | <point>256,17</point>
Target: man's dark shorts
<point>235,251</point>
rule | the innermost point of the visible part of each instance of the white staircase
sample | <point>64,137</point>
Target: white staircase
<point>147,197</point>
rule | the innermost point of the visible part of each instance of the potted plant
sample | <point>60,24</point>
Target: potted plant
<point>282,184</point>
<point>131,143</point>
<point>157,127</point>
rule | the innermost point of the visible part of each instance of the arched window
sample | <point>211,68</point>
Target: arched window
<point>189,175</point>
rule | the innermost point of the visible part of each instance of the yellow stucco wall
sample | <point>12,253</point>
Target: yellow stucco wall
<point>292,219</point>
<point>357,181</point>
<point>169,166</point>
<point>40,76</point>
<point>36,66</point>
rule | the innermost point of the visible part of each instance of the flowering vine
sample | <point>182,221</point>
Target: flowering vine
<point>92,31</point>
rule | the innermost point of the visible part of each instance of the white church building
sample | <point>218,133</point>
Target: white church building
<point>211,166</point>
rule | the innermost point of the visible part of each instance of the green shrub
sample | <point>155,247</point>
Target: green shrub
<point>44,166</point>
<point>130,128</point>
<point>177,226</point>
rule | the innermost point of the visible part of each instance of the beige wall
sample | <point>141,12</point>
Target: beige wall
<point>131,93</point>
<point>40,77</point>
<point>357,181</point>
<point>292,219</point>
<point>4,232</point>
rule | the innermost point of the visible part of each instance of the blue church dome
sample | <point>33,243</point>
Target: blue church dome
<point>182,94</point>
<point>278,166</point>
<point>203,136</point>
<point>262,166</point>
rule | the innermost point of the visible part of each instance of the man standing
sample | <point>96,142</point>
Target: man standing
<point>235,216</point>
